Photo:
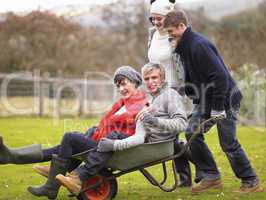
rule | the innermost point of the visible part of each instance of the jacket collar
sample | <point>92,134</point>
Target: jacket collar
<point>181,45</point>
<point>139,96</point>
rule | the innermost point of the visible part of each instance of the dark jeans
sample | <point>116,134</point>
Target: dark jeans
<point>72,143</point>
<point>96,160</point>
<point>229,143</point>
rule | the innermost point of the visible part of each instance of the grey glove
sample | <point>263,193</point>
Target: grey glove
<point>150,119</point>
<point>218,113</point>
<point>105,145</point>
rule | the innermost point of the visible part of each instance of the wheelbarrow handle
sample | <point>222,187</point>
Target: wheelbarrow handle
<point>198,131</point>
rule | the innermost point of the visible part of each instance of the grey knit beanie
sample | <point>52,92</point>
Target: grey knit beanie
<point>129,73</point>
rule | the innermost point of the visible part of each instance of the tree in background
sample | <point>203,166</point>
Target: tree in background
<point>42,40</point>
<point>38,40</point>
<point>242,37</point>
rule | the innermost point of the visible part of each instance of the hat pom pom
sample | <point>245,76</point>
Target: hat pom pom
<point>152,1</point>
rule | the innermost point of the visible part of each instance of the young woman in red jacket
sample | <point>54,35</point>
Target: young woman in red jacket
<point>118,123</point>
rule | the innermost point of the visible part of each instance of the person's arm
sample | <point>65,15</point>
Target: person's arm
<point>150,35</point>
<point>177,121</point>
<point>212,68</point>
<point>134,140</point>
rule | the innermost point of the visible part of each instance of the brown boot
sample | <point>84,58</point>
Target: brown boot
<point>42,170</point>
<point>72,182</point>
<point>250,189</point>
<point>205,185</point>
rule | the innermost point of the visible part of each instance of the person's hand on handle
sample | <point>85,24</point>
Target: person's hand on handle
<point>218,114</point>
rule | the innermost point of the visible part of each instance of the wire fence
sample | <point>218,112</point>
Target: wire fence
<point>32,94</point>
<point>252,82</point>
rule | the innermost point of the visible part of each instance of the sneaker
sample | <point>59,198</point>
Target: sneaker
<point>205,185</point>
<point>245,189</point>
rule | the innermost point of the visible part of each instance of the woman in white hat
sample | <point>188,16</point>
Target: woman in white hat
<point>160,51</point>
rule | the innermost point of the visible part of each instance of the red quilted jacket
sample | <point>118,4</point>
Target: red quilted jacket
<point>125,122</point>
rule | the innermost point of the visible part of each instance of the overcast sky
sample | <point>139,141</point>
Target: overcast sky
<point>28,5</point>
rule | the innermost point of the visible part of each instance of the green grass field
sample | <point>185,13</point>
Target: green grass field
<point>14,179</point>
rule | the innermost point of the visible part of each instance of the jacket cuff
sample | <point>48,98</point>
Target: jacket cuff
<point>161,123</point>
<point>218,104</point>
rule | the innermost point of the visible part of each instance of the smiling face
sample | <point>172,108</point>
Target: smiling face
<point>157,21</point>
<point>176,33</point>
<point>126,88</point>
<point>153,80</point>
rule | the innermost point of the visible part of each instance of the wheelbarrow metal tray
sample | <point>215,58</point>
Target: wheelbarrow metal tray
<point>141,154</point>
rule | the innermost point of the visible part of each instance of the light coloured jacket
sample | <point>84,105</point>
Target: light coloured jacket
<point>175,61</point>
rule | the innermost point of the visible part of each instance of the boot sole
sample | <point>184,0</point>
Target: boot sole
<point>218,186</point>
<point>40,172</point>
<point>31,190</point>
<point>44,174</point>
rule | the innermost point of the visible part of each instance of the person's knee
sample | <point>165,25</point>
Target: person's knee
<point>67,137</point>
<point>193,127</point>
<point>230,147</point>
<point>178,145</point>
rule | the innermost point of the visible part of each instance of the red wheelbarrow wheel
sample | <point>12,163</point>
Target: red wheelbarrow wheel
<point>107,190</point>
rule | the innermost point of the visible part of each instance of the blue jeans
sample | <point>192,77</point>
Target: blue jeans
<point>71,143</point>
<point>96,160</point>
<point>229,143</point>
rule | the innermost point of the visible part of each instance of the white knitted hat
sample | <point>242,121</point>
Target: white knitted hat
<point>162,7</point>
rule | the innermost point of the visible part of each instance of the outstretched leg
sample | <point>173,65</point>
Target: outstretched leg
<point>24,155</point>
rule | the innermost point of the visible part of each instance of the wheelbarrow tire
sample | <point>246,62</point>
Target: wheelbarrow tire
<point>106,191</point>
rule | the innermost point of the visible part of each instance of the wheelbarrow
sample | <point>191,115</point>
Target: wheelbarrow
<point>104,185</point>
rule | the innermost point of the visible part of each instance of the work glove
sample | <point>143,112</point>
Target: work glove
<point>105,145</point>
<point>218,113</point>
<point>150,119</point>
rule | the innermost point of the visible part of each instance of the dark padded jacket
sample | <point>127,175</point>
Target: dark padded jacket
<point>208,81</point>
